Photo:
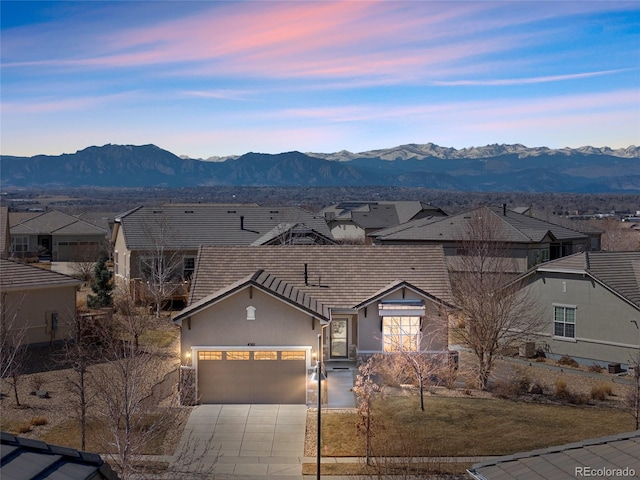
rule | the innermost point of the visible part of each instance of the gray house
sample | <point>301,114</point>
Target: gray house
<point>592,302</point>
<point>354,221</point>
<point>58,237</point>
<point>529,240</point>
<point>255,313</point>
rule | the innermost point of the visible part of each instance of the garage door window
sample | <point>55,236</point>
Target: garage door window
<point>238,355</point>
<point>265,355</point>
<point>292,356</point>
<point>209,355</point>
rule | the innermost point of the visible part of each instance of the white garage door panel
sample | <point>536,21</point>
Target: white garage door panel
<point>225,380</point>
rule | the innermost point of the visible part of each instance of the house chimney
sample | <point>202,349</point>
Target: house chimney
<point>306,274</point>
<point>241,222</point>
<point>504,209</point>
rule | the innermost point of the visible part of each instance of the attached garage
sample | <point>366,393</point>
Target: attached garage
<point>276,375</point>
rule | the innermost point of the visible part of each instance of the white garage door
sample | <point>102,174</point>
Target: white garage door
<point>263,376</point>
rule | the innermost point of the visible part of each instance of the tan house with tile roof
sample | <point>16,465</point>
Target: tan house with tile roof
<point>40,302</point>
<point>255,313</point>
<point>592,303</point>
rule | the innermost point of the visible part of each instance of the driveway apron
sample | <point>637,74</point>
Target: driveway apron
<point>252,440</point>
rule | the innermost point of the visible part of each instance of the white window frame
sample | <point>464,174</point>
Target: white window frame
<point>564,321</point>
<point>400,333</point>
<point>191,270</point>
<point>22,241</point>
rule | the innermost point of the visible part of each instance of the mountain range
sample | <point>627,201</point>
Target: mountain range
<point>515,168</point>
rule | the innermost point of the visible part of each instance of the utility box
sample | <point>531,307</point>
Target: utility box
<point>614,368</point>
<point>527,350</point>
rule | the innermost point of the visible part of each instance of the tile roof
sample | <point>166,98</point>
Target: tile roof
<point>517,228</point>
<point>14,276</point>
<point>293,234</point>
<point>381,214</point>
<point>336,275</point>
<point>560,462</point>
<point>27,459</point>
<point>619,271</point>
<point>189,226</point>
<point>270,284</point>
<point>56,222</point>
<point>582,226</point>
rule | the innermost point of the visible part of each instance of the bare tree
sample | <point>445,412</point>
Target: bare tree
<point>495,313</point>
<point>366,389</point>
<point>13,349</point>
<point>83,259</point>
<point>425,357</point>
<point>633,396</point>
<point>131,319</point>
<point>617,236</point>
<point>161,265</point>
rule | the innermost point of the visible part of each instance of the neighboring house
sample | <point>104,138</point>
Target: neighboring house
<point>592,302</point>
<point>529,240</point>
<point>582,226</point>
<point>606,457</point>
<point>29,459</point>
<point>5,238</point>
<point>179,230</point>
<point>256,313</point>
<point>38,302</point>
<point>354,221</point>
<point>56,236</point>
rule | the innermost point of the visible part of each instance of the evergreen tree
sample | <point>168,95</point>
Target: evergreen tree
<point>102,286</point>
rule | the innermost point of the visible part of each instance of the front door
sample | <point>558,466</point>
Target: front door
<point>339,343</point>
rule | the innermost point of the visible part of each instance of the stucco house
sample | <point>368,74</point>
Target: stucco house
<point>529,240</point>
<point>57,236</point>
<point>255,313</point>
<point>5,237</point>
<point>592,302</point>
<point>39,303</point>
<point>179,230</point>
<point>354,221</point>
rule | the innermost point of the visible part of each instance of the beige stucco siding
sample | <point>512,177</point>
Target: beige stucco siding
<point>30,308</point>
<point>605,330</point>
<point>226,324</point>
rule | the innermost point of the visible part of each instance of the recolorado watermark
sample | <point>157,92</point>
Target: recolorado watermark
<point>604,472</point>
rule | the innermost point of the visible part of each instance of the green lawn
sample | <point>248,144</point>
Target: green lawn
<point>467,427</point>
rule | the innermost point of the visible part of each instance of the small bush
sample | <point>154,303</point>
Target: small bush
<point>23,428</point>
<point>38,421</point>
<point>516,384</point>
<point>36,382</point>
<point>568,361</point>
<point>561,389</point>
<point>601,392</point>
<point>563,393</point>
<point>595,368</point>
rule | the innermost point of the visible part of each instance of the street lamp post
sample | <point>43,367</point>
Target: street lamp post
<point>318,375</point>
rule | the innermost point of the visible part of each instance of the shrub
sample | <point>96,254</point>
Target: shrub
<point>37,421</point>
<point>24,428</point>
<point>36,382</point>
<point>561,389</point>
<point>601,392</point>
<point>595,368</point>
<point>563,393</point>
<point>568,361</point>
<point>516,384</point>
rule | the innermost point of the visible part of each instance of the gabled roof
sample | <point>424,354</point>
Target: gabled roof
<point>560,462</point>
<point>517,228</point>
<point>189,226</point>
<point>381,214</point>
<point>339,276</point>
<point>581,226</point>
<point>27,459</point>
<point>618,271</point>
<point>18,276</point>
<point>56,222</point>
<point>268,283</point>
<point>293,234</point>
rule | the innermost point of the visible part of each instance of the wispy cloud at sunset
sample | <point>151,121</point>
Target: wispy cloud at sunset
<point>344,70</point>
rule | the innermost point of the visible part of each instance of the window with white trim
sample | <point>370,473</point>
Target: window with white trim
<point>564,321</point>
<point>188,266</point>
<point>20,244</point>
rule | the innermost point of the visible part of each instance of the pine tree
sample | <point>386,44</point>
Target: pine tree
<point>102,286</point>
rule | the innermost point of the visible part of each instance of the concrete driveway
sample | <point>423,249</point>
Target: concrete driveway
<point>253,440</point>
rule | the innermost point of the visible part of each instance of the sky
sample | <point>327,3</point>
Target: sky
<point>213,78</point>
